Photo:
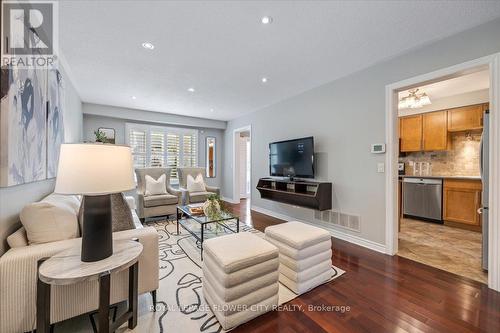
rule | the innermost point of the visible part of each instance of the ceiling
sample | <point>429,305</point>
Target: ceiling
<point>456,86</point>
<point>222,50</point>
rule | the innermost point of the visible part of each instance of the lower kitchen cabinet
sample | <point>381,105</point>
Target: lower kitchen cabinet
<point>461,200</point>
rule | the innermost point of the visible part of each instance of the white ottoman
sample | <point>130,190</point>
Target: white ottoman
<point>240,277</point>
<point>305,255</point>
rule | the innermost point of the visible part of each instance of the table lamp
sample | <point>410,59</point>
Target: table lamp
<point>95,171</point>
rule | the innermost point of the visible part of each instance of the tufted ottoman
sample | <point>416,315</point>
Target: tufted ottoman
<point>305,254</point>
<point>240,277</point>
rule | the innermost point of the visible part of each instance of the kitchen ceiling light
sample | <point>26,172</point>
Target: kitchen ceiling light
<point>133,97</point>
<point>191,90</point>
<point>266,20</point>
<point>414,100</point>
<point>148,46</point>
<point>264,80</point>
<point>212,110</point>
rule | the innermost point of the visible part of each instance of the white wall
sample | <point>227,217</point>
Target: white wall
<point>13,199</point>
<point>92,122</point>
<point>346,116</point>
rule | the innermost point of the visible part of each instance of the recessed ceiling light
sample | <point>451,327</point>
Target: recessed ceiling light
<point>212,110</point>
<point>191,90</point>
<point>264,80</point>
<point>148,45</point>
<point>133,97</point>
<point>266,20</point>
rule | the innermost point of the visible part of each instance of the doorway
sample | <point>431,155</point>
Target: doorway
<point>242,143</point>
<point>393,185</point>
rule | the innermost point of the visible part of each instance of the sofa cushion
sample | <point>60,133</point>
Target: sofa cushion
<point>160,200</point>
<point>18,238</point>
<point>198,196</point>
<point>72,202</point>
<point>156,186</point>
<point>49,222</point>
<point>195,184</point>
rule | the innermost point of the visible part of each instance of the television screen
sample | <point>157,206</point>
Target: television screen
<point>292,158</point>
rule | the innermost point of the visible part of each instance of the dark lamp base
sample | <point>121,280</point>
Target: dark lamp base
<point>97,233</point>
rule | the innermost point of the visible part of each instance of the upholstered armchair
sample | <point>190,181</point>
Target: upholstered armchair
<point>155,205</point>
<point>194,197</point>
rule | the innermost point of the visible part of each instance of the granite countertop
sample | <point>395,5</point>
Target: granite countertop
<point>443,177</point>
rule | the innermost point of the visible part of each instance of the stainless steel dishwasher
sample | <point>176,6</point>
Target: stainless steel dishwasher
<point>423,198</point>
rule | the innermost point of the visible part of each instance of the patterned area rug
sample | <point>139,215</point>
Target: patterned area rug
<point>181,306</point>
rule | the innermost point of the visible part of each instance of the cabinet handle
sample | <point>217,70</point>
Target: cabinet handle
<point>480,210</point>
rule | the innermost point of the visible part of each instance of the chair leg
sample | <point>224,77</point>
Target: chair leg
<point>153,295</point>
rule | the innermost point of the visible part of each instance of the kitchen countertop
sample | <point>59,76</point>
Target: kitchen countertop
<point>443,177</point>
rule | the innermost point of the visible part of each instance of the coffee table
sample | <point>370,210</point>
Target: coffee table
<point>196,224</point>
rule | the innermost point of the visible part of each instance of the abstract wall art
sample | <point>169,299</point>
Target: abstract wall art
<point>31,126</point>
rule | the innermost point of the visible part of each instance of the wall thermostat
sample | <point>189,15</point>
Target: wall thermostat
<point>378,148</point>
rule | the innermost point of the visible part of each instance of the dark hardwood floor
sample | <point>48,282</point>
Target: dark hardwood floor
<point>383,293</point>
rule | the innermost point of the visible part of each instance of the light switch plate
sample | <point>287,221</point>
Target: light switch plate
<point>380,167</point>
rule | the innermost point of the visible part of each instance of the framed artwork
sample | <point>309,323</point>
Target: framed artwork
<point>109,133</point>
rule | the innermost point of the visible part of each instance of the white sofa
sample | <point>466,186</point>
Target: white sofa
<point>18,277</point>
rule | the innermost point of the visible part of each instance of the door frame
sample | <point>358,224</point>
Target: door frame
<point>492,63</point>
<point>236,162</point>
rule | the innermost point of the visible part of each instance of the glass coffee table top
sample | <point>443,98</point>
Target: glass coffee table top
<point>202,227</point>
<point>201,218</point>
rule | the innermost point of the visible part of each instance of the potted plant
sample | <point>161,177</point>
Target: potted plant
<point>100,136</point>
<point>213,209</point>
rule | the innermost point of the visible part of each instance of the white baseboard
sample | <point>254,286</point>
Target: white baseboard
<point>230,200</point>
<point>335,233</point>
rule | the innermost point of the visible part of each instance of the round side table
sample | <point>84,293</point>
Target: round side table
<point>66,268</point>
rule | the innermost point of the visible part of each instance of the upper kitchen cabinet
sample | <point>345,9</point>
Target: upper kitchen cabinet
<point>435,133</point>
<point>466,118</point>
<point>410,133</point>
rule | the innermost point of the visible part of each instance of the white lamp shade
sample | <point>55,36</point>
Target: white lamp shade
<point>94,169</point>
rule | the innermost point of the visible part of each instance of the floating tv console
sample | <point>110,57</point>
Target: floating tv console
<point>310,194</point>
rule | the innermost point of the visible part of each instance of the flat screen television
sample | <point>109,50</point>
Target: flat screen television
<point>292,158</point>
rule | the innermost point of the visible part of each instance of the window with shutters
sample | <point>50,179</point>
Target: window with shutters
<point>155,146</point>
<point>137,141</point>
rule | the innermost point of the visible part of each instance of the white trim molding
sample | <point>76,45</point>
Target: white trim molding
<point>335,233</point>
<point>492,63</point>
<point>236,183</point>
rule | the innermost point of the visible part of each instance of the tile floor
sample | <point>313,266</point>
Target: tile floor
<point>454,250</point>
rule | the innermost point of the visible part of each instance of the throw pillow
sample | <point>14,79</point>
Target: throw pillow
<point>196,184</point>
<point>155,187</point>
<point>49,222</point>
<point>122,215</point>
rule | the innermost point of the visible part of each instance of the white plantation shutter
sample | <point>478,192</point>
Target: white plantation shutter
<point>189,151</point>
<point>155,146</point>
<point>173,153</point>
<point>137,142</point>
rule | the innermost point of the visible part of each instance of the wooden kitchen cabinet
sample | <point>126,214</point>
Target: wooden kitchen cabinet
<point>410,133</point>
<point>434,131</point>
<point>461,200</point>
<point>466,118</point>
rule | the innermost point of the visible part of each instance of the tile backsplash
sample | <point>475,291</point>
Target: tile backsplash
<point>461,160</point>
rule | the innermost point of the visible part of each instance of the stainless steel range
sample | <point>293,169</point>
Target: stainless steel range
<point>423,198</point>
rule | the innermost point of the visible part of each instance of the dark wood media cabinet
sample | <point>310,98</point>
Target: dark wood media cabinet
<point>310,194</point>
